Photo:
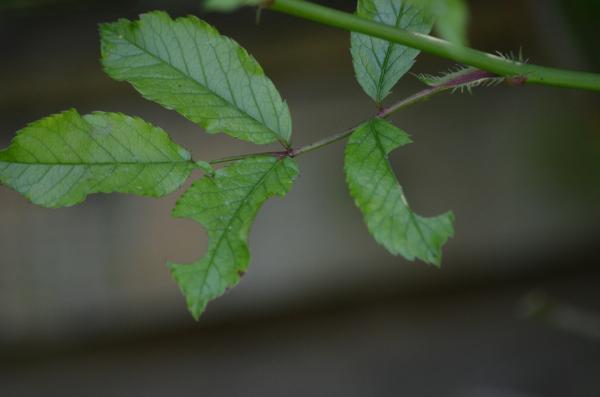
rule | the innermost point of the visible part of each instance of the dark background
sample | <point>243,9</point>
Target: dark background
<point>87,306</point>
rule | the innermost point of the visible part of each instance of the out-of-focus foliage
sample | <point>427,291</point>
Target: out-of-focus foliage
<point>229,5</point>
<point>452,19</point>
<point>584,17</point>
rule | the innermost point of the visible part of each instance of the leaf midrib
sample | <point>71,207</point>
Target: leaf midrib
<point>99,164</point>
<point>211,259</point>
<point>386,59</point>
<point>182,73</point>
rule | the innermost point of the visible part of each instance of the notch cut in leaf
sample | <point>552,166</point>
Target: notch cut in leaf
<point>379,196</point>
<point>226,205</point>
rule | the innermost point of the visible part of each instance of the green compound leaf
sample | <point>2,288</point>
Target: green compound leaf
<point>381,199</point>
<point>379,64</point>
<point>226,204</point>
<point>187,66</point>
<point>57,161</point>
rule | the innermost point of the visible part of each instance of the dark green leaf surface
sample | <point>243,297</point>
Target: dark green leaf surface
<point>57,161</point>
<point>226,204</point>
<point>187,66</point>
<point>381,199</point>
<point>379,64</point>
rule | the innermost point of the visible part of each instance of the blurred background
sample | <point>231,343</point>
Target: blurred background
<point>87,306</point>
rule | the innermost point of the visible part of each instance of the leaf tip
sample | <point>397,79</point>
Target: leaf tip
<point>195,304</point>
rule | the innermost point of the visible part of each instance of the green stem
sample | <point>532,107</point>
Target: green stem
<point>384,113</point>
<point>323,142</point>
<point>469,77</point>
<point>501,66</point>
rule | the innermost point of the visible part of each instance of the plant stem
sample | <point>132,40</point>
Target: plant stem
<point>323,142</point>
<point>496,64</point>
<point>411,100</point>
<point>383,113</point>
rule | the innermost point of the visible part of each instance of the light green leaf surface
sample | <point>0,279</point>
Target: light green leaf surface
<point>187,66</point>
<point>226,204</point>
<point>381,199</point>
<point>57,161</point>
<point>379,64</point>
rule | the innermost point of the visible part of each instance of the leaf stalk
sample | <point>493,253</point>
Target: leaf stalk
<point>385,112</point>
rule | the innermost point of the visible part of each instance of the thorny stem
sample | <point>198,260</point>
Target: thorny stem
<point>486,66</point>
<point>498,65</point>
<point>471,77</point>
